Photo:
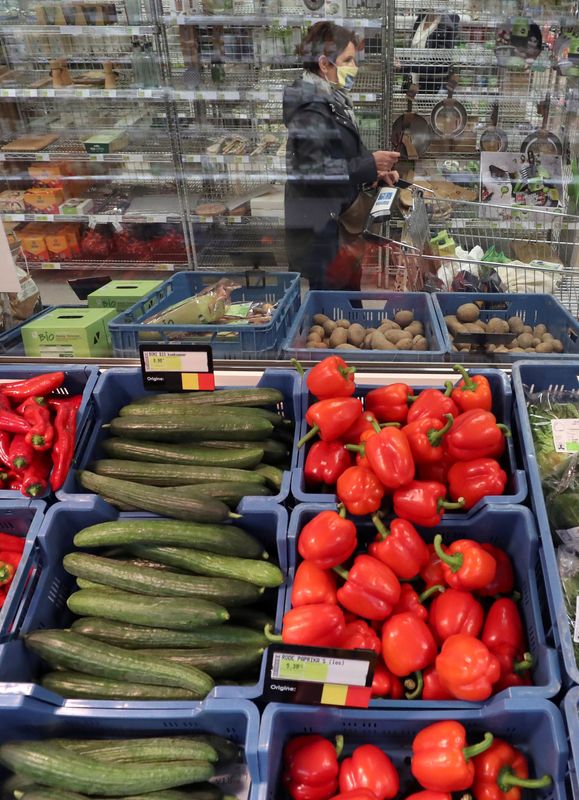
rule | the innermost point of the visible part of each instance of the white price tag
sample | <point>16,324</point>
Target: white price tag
<point>96,157</point>
<point>566,435</point>
<point>50,265</point>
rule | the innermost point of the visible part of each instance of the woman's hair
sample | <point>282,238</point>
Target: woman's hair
<point>325,39</point>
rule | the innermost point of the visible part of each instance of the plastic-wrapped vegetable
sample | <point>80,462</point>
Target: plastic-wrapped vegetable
<point>568,562</point>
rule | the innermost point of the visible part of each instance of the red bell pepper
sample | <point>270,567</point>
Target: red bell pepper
<point>370,768</point>
<point>6,572</point>
<point>504,580</point>
<point>504,636</point>
<point>365,422</point>
<point>423,503</point>
<point>311,767</point>
<point>324,464</point>
<point>473,480</point>
<point>313,585</point>
<point>426,436</point>
<point>432,573</point>
<point>473,391</point>
<point>389,456</point>
<point>13,423</point>
<point>390,403</point>
<point>434,404</point>
<point>320,625</point>
<point>39,386</point>
<point>476,434</point>
<point>385,684</point>
<point>360,491</point>
<point>371,589</point>
<point>407,644</point>
<point>360,636</point>
<point>502,772</point>
<point>437,471</point>
<point>433,688</point>
<point>455,612</point>
<point>411,601</point>
<point>11,543</point>
<point>426,795</point>
<point>401,548</point>
<point>66,410</point>
<point>357,794</point>
<point>328,539</point>
<point>37,414</point>
<point>441,760</point>
<point>467,668</point>
<point>21,454</point>
<point>465,564</point>
<point>331,378</point>
<point>331,418</point>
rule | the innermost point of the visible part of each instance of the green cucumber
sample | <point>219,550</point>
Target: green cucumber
<point>36,792</point>
<point>195,455</point>
<point>254,618</point>
<point>261,573</point>
<point>187,411</point>
<point>134,637</point>
<point>272,475</point>
<point>156,500</point>
<point>225,539</point>
<point>150,748</point>
<point>274,452</point>
<point>205,791</point>
<point>152,582</point>
<point>254,397</point>
<point>193,428</point>
<point>175,613</point>
<point>55,766</point>
<point>225,749</point>
<point>76,685</point>
<point>70,650</point>
<point>230,493</point>
<point>171,474</point>
<point>215,661</point>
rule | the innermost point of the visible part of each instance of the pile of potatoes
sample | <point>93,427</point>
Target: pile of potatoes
<point>527,339</point>
<point>401,333</point>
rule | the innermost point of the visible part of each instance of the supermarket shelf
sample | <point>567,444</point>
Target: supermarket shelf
<point>23,93</point>
<point>238,220</point>
<point>92,219</point>
<point>465,56</point>
<point>82,155</point>
<point>94,31</point>
<point>259,20</point>
<point>103,266</point>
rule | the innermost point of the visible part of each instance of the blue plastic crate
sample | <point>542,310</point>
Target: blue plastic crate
<point>118,386</point>
<point>22,718</point>
<point>542,376</point>
<point>340,305</point>
<point>11,341</point>
<point>228,341</point>
<point>509,527</point>
<point>45,606</point>
<point>571,710</point>
<point>533,310</point>
<point>516,490</point>
<point>534,727</point>
<point>78,380</point>
<point>20,518</point>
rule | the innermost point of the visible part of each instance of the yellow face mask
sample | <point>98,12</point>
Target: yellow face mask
<point>346,76</point>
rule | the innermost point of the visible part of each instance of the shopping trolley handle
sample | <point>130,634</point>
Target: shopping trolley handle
<point>385,241</point>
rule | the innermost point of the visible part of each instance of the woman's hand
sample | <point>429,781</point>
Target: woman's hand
<point>385,160</point>
<point>390,178</point>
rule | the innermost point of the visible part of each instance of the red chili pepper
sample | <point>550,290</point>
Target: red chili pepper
<point>360,491</point>
<point>325,462</point>
<point>467,668</point>
<point>331,418</point>
<point>407,645</point>
<point>311,767</point>
<point>4,401</point>
<point>401,548</point>
<point>504,580</point>
<point>422,503</point>
<point>6,573</point>
<point>37,415</point>
<point>432,573</point>
<point>426,436</point>
<point>434,404</point>
<point>476,434</point>
<point>320,625</point>
<point>370,768</point>
<point>366,422</point>
<point>390,403</point>
<point>11,543</point>
<point>13,423</point>
<point>385,684</point>
<point>40,386</point>
<point>371,589</point>
<point>313,585</point>
<point>433,688</point>
<point>66,411</point>
<point>5,439</point>
<point>426,795</point>
<point>473,391</point>
<point>441,760</point>
<point>465,564</point>
<point>331,378</point>
<point>360,636</point>
<point>455,612</point>
<point>328,539</point>
<point>502,772</point>
<point>389,456</point>
<point>411,601</point>
<point>15,482</point>
<point>35,476</point>
<point>473,480</point>
<point>20,453</point>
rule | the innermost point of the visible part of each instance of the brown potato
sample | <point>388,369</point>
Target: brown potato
<point>517,350</point>
<point>329,327</point>
<point>467,312</point>
<point>343,323</point>
<point>536,341</point>
<point>348,346</point>
<point>356,335</point>
<point>404,344</point>
<point>475,327</point>
<point>529,349</point>
<point>501,349</point>
<point>454,326</point>
<point>318,346</point>
<point>315,337</point>
<point>539,330</point>
<point>497,325</point>
<point>525,340</point>
<point>415,328</point>
<point>558,346</point>
<point>395,336</point>
<point>516,325</point>
<point>380,342</point>
<point>317,329</point>
<point>404,318</point>
<point>419,343</point>
<point>388,325</point>
<point>319,319</point>
<point>544,347</point>
<point>547,337</point>
<point>527,329</point>
<point>339,337</point>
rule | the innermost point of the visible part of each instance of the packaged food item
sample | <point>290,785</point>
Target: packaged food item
<point>12,201</point>
<point>106,142</point>
<point>44,200</point>
<point>207,306</point>
<point>77,206</point>
<point>33,242</point>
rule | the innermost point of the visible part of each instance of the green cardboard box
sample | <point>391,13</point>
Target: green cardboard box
<point>120,295</point>
<point>69,332</point>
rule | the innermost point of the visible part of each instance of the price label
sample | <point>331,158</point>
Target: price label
<point>96,157</point>
<point>50,265</point>
<point>177,367</point>
<point>566,435</point>
<point>319,676</point>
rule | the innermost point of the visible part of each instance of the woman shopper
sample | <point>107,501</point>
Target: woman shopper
<point>328,164</point>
